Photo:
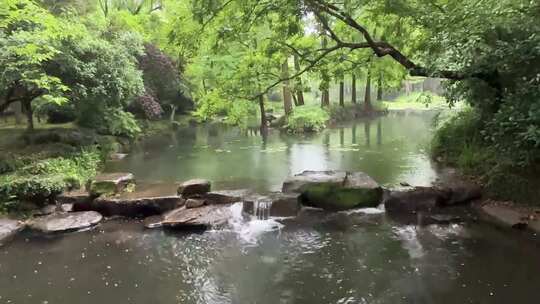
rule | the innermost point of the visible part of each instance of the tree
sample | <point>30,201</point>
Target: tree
<point>29,40</point>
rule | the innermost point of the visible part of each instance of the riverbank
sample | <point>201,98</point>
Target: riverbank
<point>36,166</point>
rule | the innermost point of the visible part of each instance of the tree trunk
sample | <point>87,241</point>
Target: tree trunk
<point>17,109</point>
<point>263,113</point>
<point>367,96</point>
<point>287,97</point>
<point>353,89</point>
<point>299,92</point>
<point>325,98</point>
<point>27,104</point>
<point>342,93</point>
<point>379,88</point>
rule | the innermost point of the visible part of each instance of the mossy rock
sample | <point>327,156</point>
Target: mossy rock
<point>335,190</point>
<point>112,184</point>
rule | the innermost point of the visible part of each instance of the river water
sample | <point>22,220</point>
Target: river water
<point>348,257</point>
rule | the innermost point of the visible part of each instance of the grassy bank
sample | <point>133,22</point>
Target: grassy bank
<point>36,166</point>
<point>460,142</point>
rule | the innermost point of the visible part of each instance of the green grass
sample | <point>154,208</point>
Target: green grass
<point>417,101</point>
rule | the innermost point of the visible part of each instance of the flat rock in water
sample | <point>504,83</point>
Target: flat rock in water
<point>8,229</point>
<point>111,183</point>
<point>203,217</point>
<point>194,187</point>
<point>226,196</point>
<point>335,190</point>
<point>64,222</point>
<point>136,207</point>
<point>273,205</point>
<point>298,182</point>
<point>504,216</point>
<point>419,199</point>
<point>194,203</point>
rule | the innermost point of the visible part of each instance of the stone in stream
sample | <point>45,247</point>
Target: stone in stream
<point>226,196</point>
<point>8,229</point>
<point>194,203</point>
<point>274,205</point>
<point>419,199</point>
<point>50,209</point>
<point>194,187</point>
<point>505,216</point>
<point>197,218</point>
<point>65,222</point>
<point>111,184</point>
<point>335,190</point>
<point>135,207</point>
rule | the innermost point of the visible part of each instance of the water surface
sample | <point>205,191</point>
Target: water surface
<point>347,257</point>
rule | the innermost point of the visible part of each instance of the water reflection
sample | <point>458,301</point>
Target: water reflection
<point>389,149</point>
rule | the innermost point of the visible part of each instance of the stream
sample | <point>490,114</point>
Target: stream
<point>358,256</point>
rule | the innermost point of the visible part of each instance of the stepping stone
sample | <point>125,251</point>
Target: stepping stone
<point>65,222</point>
<point>194,187</point>
<point>111,184</point>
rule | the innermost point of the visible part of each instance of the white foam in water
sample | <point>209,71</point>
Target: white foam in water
<point>408,235</point>
<point>248,227</point>
<point>365,211</point>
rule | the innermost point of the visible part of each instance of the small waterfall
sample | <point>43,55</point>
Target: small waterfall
<point>262,209</point>
<point>252,220</point>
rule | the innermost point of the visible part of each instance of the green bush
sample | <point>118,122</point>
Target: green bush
<point>42,179</point>
<point>455,134</point>
<point>120,123</point>
<point>307,119</point>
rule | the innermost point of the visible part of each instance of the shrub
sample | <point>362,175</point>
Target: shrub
<point>58,114</point>
<point>307,119</point>
<point>120,123</point>
<point>39,180</point>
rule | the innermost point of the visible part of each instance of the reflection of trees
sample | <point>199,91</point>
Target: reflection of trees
<point>392,156</point>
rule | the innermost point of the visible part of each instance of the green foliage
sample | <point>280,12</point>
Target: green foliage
<point>453,136</point>
<point>307,119</point>
<point>120,123</point>
<point>42,179</point>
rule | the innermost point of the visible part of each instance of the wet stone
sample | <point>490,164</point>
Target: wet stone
<point>194,187</point>
<point>8,229</point>
<point>197,218</point>
<point>335,190</point>
<point>111,184</point>
<point>64,222</point>
<point>194,203</point>
<point>135,207</point>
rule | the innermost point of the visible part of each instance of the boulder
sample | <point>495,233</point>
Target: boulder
<point>134,207</point>
<point>419,199</point>
<point>8,229</point>
<point>226,196</point>
<point>64,222</point>
<point>335,190</point>
<point>194,187</point>
<point>111,184</point>
<point>463,193</point>
<point>197,218</point>
<point>273,205</point>
<point>194,203</point>
<point>50,209</point>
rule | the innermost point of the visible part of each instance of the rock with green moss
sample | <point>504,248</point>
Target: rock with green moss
<point>111,184</point>
<point>335,190</point>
